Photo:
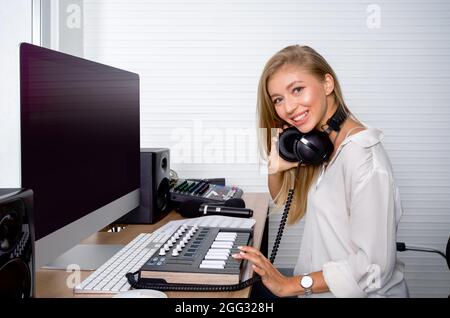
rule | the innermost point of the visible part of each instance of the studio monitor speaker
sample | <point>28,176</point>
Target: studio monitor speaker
<point>154,193</point>
<point>16,244</point>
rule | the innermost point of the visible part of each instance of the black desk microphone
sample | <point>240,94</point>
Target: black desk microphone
<point>232,207</point>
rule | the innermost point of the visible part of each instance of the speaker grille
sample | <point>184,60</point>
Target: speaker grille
<point>16,244</point>
<point>10,226</point>
<point>15,279</point>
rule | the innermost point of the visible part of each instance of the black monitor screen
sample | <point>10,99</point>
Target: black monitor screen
<point>79,135</point>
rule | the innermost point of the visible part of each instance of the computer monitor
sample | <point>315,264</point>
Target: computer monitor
<point>80,146</point>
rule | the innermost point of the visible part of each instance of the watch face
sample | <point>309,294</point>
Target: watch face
<point>306,282</point>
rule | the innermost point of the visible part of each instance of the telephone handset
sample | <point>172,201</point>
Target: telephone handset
<point>160,284</point>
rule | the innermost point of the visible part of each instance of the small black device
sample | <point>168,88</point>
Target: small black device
<point>154,201</point>
<point>232,207</point>
<point>310,148</point>
<point>16,244</point>
<point>199,254</point>
<point>201,190</point>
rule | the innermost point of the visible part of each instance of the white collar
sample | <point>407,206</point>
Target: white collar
<point>365,138</point>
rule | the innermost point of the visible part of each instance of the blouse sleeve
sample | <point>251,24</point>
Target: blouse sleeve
<point>372,219</point>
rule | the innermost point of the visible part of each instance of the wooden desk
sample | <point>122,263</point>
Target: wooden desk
<point>52,283</point>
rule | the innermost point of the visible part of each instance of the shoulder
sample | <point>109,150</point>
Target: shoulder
<point>361,145</point>
<point>363,154</point>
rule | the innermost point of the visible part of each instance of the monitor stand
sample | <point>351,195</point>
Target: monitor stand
<point>86,256</point>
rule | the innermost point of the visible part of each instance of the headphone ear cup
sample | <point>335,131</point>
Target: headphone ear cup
<point>313,148</point>
<point>286,142</point>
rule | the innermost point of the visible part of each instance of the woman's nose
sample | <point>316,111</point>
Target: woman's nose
<point>290,105</point>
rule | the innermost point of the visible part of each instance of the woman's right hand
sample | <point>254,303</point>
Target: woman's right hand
<point>276,163</point>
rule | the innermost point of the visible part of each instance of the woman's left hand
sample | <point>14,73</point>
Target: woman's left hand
<point>271,277</point>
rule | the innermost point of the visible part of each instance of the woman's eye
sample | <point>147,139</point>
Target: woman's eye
<point>297,90</point>
<point>276,101</point>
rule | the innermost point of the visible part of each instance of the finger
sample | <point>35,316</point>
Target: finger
<point>237,256</point>
<point>255,259</point>
<point>285,126</point>
<point>258,270</point>
<point>250,249</point>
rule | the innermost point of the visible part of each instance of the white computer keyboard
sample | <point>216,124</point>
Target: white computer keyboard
<point>110,277</point>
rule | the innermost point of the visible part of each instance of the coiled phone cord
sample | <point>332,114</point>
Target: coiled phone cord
<point>159,284</point>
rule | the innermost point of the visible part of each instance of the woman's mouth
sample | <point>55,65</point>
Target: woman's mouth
<point>301,118</point>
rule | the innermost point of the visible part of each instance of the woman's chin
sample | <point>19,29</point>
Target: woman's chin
<point>305,128</point>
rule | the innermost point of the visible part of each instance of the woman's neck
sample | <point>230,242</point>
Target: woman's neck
<point>337,137</point>
<point>349,126</point>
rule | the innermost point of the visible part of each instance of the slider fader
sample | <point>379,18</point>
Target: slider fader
<point>183,190</point>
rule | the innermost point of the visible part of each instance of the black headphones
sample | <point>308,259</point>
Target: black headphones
<point>311,148</point>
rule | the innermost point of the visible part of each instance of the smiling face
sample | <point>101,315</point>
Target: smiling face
<point>300,98</point>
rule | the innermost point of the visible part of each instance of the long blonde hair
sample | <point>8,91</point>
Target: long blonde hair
<point>312,62</point>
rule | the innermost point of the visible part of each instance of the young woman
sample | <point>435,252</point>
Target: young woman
<point>350,202</point>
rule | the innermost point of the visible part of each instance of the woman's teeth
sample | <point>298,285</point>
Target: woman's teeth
<point>300,117</point>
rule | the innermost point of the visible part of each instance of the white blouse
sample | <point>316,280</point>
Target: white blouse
<point>351,219</point>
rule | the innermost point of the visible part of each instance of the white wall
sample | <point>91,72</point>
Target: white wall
<point>15,27</point>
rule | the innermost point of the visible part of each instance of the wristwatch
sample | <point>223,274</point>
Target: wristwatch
<point>307,282</point>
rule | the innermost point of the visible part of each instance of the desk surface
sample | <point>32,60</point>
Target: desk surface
<point>52,283</point>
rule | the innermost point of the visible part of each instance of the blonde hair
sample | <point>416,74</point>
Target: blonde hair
<point>312,62</point>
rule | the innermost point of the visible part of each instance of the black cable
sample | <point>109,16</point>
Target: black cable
<point>430,251</point>
<point>401,247</point>
<point>277,241</point>
<point>161,285</point>
<point>144,283</point>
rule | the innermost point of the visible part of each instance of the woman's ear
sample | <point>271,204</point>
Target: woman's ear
<point>328,84</point>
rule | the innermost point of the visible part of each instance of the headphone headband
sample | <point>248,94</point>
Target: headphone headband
<point>335,121</point>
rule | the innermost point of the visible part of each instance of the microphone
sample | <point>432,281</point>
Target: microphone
<point>206,209</point>
<point>234,203</point>
<point>192,209</point>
